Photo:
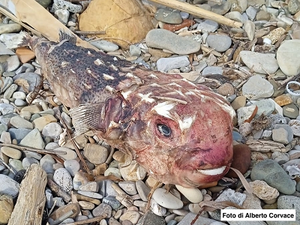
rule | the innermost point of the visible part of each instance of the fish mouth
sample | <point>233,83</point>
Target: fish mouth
<point>213,172</point>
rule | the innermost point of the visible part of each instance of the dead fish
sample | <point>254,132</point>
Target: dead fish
<point>180,132</point>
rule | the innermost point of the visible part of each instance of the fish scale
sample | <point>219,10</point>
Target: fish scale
<point>180,132</point>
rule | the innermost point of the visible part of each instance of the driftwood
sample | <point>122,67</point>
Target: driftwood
<point>29,208</point>
<point>196,11</point>
<point>43,23</point>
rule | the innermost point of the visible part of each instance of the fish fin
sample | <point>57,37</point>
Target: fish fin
<point>87,117</point>
<point>64,36</point>
<point>23,39</point>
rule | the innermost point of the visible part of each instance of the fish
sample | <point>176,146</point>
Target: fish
<point>179,131</point>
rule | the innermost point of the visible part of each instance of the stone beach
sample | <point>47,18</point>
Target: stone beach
<point>250,66</point>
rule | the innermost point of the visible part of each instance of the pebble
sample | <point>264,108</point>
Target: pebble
<point>132,216</point>
<point>90,194</point>
<point>253,61</point>
<point>90,186</point>
<point>157,209</point>
<point>219,42</point>
<point>208,26</point>
<point>72,166</point>
<point>246,114</point>
<point>28,161</point>
<point>282,133</point>
<point>164,39</point>
<point>10,90</point>
<point>104,45</point>
<point>135,50</point>
<point>19,122</point>
<point>62,15</point>
<point>287,55</point>
<point>8,186</point>
<point>102,209</point>
<point>271,172</point>
<point>95,153</point>
<point>295,126</point>
<point>33,139</point>
<point>18,134</point>
<point>6,208</point>
<point>194,195</point>
<point>128,186</point>
<point>52,130</point>
<point>257,87</point>
<point>47,163</point>
<point>142,189</point>
<point>209,70</point>
<point>166,199</point>
<point>291,111</point>
<point>42,121</point>
<point>263,191</point>
<point>11,152</point>
<point>289,202</point>
<point>63,178</point>
<point>70,153</point>
<point>167,64</point>
<point>230,195</point>
<point>170,16</point>
<point>152,219</point>
<point>283,100</point>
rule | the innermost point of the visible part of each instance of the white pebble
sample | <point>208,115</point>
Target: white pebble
<point>194,195</point>
<point>166,199</point>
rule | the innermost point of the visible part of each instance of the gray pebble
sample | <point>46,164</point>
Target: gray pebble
<point>112,201</point>
<point>5,51</point>
<point>49,198</point>
<point>18,134</point>
<point>8,186</point>
<point>280,135</point>
<point>33,139</point>
<point>291,111</point>
<point>265,107</point>
<point>19,122</point>
<point>105,45</point>
<point>251,12</point>
<point>16,164</point>
<point>134,50</point>
<point>167,64</point>
<point>170,16</point>
<point>142,189</point>
<point>47,163</point>
<point>209,26</point>
<point>102,209</point>
<point>191,217</point>
<point>19,95</point>
<point>6,108</point>
<point>13,63</point>
<point>61,4</point>
<point>33,80</point>
<point>26,67</point>
<point>52,130</point>
<point>72,166</point>
<point>106,188</point>
<point>27,162</point>
<point>164,39</point>
<point>212,70</point>
<point>257,87</point>
<point>129,187</point>
<point>289,202</point>
<point>219,42</point>
<point>62,15</point>
<point>253,60</point>
<point>19,102</point>
<point>6,84</point>
<point>63,178</point>
<point>271,172</point>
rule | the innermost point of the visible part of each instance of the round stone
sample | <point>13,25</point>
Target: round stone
<point>9,186</point>
<point>63,178</point>
<point>72,166</point>
<point>194,195</point>
<point>287,56</point>
<point>219,42</point>
<point>166,199</point>
<point>257,87</point>
<point>132,216</point>
<point>95,153</point>
<point>19,122</point>
<point>291,111</point>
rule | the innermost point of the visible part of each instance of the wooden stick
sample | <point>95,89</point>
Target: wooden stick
<point>196,11</point>
<point>43,21</point>
<point>31,201</point>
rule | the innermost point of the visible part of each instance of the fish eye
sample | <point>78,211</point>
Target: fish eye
<point>164,130</point>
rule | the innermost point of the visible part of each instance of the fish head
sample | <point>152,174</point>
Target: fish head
<point>189,144</point>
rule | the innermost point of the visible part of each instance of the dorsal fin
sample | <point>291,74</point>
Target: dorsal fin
<point>64,36</point>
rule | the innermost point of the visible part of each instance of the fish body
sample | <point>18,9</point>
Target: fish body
<point>180,132</point>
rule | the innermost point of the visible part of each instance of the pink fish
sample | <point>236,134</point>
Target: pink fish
<point>180,132</point>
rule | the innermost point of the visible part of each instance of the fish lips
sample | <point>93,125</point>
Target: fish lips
<point>199,167</point>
